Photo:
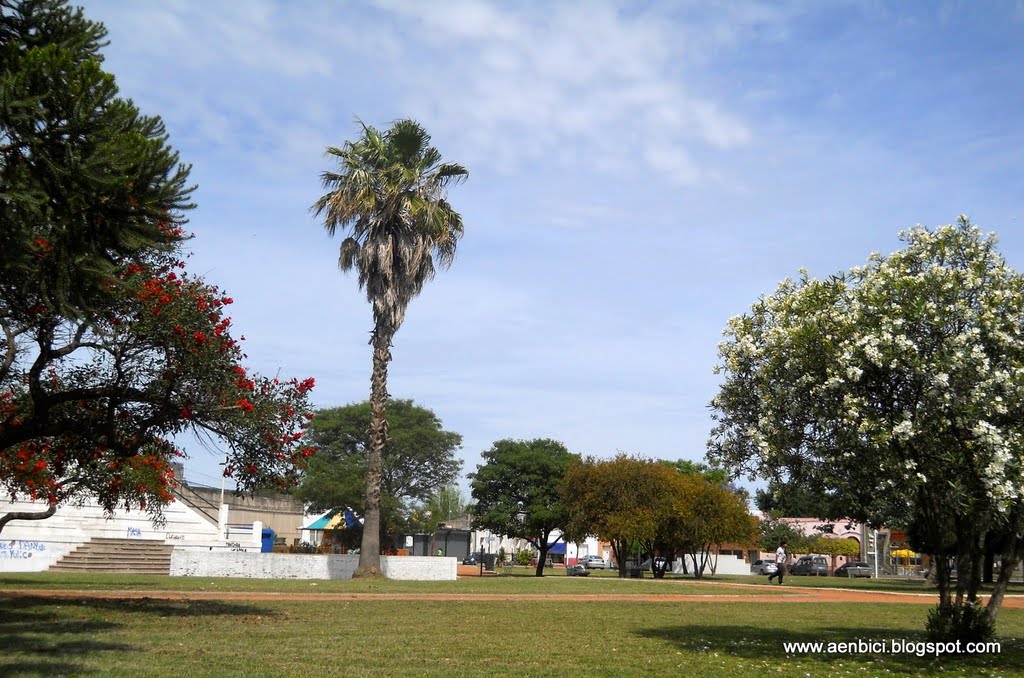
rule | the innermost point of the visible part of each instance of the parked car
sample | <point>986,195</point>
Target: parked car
<point>810,565</point>
<point>853,569</point>
<point>764,567</point>
<point>471,559</point>
<point>593,563</point>
<point>577,571</point>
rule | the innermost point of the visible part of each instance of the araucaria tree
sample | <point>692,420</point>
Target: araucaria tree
<point>517,492</point>
<point>108,348</point>
<point>900,387</point>
<point>389,196</point>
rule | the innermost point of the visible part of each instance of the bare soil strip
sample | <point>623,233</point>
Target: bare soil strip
<point>794,594</point>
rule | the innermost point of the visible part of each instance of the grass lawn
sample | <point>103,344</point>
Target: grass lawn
<point>520,583</point>
<point>893,584</point>
<point>532,636</point>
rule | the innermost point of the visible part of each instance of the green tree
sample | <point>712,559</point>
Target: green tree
<point>830,546</point>
<point>418,461</point>
<point>87,183</point>
<point>108,347</point>
<point>715,474</point>
<point>796,500</point>
<point>772,532</point>
<point>711,516</point>
<point>626,501</point>
<point>444,507</point>
<point>898,386</point>
<point>389,197</point>
<point>517,491</point>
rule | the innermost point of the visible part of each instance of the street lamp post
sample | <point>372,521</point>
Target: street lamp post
<point>520,520</point>
<point>481,556</point>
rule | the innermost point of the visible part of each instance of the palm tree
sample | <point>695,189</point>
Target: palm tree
<point>389,198</point>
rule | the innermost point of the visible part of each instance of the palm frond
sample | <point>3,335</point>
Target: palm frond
<point>388,196</point>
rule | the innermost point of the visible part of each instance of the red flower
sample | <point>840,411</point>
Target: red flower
<point>245,405</point>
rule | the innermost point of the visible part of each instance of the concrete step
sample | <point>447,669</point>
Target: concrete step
<point>97,560</point>
<point>117,555</point>
<point>141,568</point>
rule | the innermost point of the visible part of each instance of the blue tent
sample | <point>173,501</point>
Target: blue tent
<point>558,548</point>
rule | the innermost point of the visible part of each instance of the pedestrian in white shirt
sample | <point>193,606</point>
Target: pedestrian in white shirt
<point>780,563</point>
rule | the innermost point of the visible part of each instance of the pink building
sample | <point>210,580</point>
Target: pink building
<point>839,529</point>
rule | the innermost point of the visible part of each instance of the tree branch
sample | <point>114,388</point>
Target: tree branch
<point>27,515</point>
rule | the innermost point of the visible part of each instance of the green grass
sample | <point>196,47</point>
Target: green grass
<point>74,635</point>
<point>518,584</point>
<point>892,584</point>
<point>174,638</point>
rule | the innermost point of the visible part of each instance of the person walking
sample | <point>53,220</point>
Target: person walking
<point>780,563</point>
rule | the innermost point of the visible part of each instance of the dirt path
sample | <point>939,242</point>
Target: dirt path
<point>753,593</point>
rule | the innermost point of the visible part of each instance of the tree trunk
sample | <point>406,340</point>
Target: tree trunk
<point>977,557</point>
<point>1006,568</point>
<point>940,566</point>
<point>541,559</point>
<point>369,550</point>
<point>618,550</point>
<point>698,566</point>
<point>27,515</point>
<point>1008,561</point>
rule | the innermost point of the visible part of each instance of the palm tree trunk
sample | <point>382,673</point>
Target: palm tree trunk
<point>369,551</point>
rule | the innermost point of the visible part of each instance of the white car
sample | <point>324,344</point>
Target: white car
<point>764,567</point>
<point>593,563</point>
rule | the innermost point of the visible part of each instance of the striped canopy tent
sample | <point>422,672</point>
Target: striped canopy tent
<point>335,520</point>
<point>339,519</point>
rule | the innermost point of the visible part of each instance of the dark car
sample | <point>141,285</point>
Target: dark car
<point>810,565</point>
<point>853,569</point>
<point>577,571</point>
<point>471,559</point>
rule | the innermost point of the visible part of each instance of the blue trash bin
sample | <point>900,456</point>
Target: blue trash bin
<point>268,540</point>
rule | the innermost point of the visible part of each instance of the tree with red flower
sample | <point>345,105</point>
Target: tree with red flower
<point>108,347</point>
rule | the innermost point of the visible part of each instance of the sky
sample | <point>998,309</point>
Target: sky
<point>639,172</point>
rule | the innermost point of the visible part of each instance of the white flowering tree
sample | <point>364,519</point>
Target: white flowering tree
<point>899,386</point>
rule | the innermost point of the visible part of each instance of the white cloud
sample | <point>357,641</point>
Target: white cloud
<point>523,87</point>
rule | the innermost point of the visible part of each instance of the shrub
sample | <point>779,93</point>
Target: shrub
<point>967,622</point>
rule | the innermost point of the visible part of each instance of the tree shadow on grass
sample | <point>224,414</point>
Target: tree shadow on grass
<point>41,635</point>
<point>768,643</point>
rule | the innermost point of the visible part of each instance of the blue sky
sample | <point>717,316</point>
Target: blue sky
<point>640,172</point>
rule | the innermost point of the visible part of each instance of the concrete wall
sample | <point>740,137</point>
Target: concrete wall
<point>727,564</point>
<point>35,545</point>
<point>282,514</point>
<point>206,563</point>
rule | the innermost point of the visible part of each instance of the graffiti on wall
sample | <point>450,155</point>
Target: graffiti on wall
<point>18,549</point>
<point>134,532</point>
